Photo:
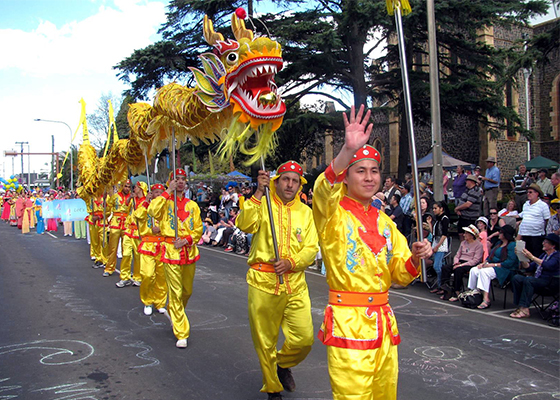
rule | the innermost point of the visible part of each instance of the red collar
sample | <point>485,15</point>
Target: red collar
<point>182,213</point>
<point>368,216</point>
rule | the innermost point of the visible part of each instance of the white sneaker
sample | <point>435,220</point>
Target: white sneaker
<point>181,343</point>
<point>161,310</point>
<point>121,283</point>
<point>148,310</point>
<point>136,283</point>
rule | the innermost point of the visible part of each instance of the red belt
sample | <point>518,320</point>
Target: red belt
<point>159,239</point>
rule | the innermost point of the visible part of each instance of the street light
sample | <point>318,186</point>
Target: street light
<point>71,162</point>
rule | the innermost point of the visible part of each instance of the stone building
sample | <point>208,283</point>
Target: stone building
<point>468,141</point>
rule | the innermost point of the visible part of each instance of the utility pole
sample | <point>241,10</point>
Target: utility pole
<point>437,171</point>
<point>52,163</point>
<point>22,143</point>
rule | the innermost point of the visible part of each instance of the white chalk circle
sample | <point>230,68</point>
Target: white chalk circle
<point>442,353</point>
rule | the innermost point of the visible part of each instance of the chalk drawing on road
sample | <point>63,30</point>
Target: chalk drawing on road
<point>441,353</point>
<point>72,391</point>
<point>526,348</point>
<point>64,289</point>
<point>538,396</point>
<point>60,352</point>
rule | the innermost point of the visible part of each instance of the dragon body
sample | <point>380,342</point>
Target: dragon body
<point>235,98</point>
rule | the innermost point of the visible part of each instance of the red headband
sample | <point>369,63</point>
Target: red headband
<point>178,172</point>
<point>366,153</point>
<point>290,166</point>
<point>156,186</point>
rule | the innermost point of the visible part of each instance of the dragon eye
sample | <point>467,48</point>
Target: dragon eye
<point>232,58</point>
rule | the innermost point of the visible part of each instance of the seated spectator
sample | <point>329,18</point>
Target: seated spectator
<point>501,263</point>
<point>220,227</point>
<point>493,227</point>
<point>230,228</point>
<point>468,255</point>
<point>553,225</point>
<point>509,214</point>
<point>209,232</point>
<point>546,270</point>
<point>482,225</point>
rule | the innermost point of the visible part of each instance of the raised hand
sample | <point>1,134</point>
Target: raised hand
<point>357,129</point>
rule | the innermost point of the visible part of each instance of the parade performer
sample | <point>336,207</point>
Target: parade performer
<point>117,204</point>
<point>20,209</point>
<point>6,203</point>
<point>363,253</point>
<point>28,207</point>
<point>131,238</point>
<point>273,304</point>
<point>96,224</point>
<point>39,213</point>
<point>179,251</point>
<point>153,289</point>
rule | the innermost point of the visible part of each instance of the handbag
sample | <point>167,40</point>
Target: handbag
<point>470,298</point>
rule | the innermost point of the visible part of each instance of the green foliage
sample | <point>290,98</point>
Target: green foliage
<point>330,48</point>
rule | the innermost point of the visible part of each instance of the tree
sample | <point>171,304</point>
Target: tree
<point>324,43</point>
<point>98,122</point>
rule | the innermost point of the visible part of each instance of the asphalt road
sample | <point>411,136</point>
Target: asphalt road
<point>68,333</point>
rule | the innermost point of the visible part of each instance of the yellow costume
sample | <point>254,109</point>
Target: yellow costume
<point>363,253</point>
<point>131,241</point>
<point>117,226</point>
<point>96,229</point>
<point>179,263</point>
<point>153,289</point>
<point>273,305</point>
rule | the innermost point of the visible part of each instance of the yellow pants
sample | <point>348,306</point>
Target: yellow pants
<point>267,313</point>
<point>364,374</point>
<point>153,289</point>
<point>130,251</point>
<point>179,280</point>
<point>96,237</point>
<point>115,236</point>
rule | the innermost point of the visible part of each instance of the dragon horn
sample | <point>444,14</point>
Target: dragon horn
<point>238,28</point>
<point>210,35</point>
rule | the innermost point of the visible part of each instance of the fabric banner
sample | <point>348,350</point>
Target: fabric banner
<point>66,210</point>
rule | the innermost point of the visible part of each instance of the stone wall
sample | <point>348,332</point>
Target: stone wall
<point>510,154</point>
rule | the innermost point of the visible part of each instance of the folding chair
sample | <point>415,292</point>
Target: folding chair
<point>539,298</point>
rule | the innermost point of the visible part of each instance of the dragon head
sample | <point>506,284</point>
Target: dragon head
<point>241,73</point>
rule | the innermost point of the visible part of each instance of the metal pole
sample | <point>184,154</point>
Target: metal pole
<point>437,169</point>
<point>410,125</point>
<point>147,170</point>
<point>271,219</point>
<point>527,73</point>
<point>174,177</point>
<point>52,163</point>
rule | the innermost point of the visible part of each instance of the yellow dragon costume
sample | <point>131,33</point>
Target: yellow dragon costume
<point>235,97</point>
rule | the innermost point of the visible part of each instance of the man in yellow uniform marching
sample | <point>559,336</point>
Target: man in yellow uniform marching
<point>363,252</point>
<point>131,239</point>
<point>153,289</point>
<point>96,228</point>
<point>274,305</point>
<point>117,204</point>
<point>179,255</point>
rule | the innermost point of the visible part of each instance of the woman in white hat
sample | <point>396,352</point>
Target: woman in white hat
<point>469,254</point>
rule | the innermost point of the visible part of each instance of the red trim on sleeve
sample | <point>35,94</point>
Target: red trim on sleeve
<point>166,195</point>
<point>145,204</point>
<point>412,270</point>
<point>291,260</point>
<point>254,200</point>
<point>189,240</point>
<point>332,177</point>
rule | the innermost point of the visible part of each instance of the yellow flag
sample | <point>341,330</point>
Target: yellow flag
<point>112,128</point>
<point>83,122</point>
<point>403,5</point>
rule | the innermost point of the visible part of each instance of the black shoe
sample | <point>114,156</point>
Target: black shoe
<point>286,379</point>
<point>274,396</point>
